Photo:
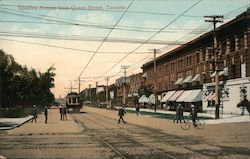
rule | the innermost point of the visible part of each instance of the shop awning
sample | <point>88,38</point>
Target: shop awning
<point>197,78</point>
<point>151,99</point>
<point>143,99</point>
<point>195,96</point>
<point>208,96</point>
<point>175,95</point>
<point>183,96</point>
<point>179,81</point>
<point>212,97</point>
<point>144,75</point>
<point>188,79</point>
<point>167,96</point>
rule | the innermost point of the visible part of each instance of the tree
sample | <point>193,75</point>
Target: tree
<point>145,90</point>
<point>23,86</point>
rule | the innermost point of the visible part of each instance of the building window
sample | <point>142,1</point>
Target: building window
<point>233,71</point>
<point>232,45</point>
<point>241,42</point>
<point>190,60</point>
<point>223,47</point>
<point>197,58</point>
<point>203,55</point>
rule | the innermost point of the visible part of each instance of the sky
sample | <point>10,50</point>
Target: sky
<point>93,39</point>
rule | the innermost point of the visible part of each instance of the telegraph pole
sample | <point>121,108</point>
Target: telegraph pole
<point>216,19</point>
<point>1,87</point>
<point>90,92</point>
<point>107,91</point>
<point>155,76</point>
<point>124,84</point>
<point>71,87</point>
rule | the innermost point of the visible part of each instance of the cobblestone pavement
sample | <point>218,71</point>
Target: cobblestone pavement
<point>96,135</point>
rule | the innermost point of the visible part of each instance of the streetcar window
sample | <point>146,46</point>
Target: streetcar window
<point>74,100</point>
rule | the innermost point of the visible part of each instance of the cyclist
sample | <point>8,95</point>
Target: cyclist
<point>193,115</point>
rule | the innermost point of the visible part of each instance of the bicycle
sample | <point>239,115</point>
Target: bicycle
<point>185,125</point>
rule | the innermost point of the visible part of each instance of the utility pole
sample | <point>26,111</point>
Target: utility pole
<point>1,87</point>
<point>155,76</point>
<point>124,85</point>
<point>71,87</point>
<point>90,92</point>
<point>97,97</point>
<point>216,19</point>
<point>79,84</point>
<point>107,91</point>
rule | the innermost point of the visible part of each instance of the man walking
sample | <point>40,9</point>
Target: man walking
<point>121,113</point>
<point>46,114</point>
<point>34,113</point>
<point>61,112</point>
<point>64,110</point>
<point>177,113</point>
<point>137,108</point>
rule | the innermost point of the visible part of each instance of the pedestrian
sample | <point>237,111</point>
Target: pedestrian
<point>46,114</point>
<point>177,113</point>
<point>64,110</point>
<point>34,113</point>
<point>121,113</point>
<point>137,108</point>
<point>181,114</point>
<point>193,115</point>
<point>61,112</point>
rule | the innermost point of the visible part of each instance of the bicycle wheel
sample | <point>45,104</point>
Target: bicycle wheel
<point>185,125</point>
<point>200,124</point>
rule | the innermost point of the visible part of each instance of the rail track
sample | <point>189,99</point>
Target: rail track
<point>122,144</point>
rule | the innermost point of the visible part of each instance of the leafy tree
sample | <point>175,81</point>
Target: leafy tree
<point>145,90</point>
<point>20,86</point>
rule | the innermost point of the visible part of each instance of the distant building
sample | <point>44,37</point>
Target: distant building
<point>185,74</point>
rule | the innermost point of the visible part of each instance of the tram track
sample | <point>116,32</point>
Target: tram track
<point>124,144</point>
<point>209,150</point>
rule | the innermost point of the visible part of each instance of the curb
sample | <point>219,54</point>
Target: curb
<point>15,126</point>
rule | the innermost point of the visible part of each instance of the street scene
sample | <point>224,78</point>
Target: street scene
<point>95,134</point>
<point>125,79</point>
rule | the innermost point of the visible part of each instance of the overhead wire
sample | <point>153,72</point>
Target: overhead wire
<point>204,26</point>
<point>152,36</point>
<point>105,39</point>
<point>81,38</point>
<point>68,48</point>
<point>74,22</point>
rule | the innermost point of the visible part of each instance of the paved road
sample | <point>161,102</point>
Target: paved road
<point>97,136</point>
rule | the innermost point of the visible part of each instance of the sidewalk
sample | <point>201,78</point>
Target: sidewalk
<point>11,123</point>
<point>225,118</point>
<point>54,124</point>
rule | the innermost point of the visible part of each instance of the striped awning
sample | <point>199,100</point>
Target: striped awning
<point>167,96</point>
<point>183,96</point>
<point>195,96</point>
<point>188,79</point>
<point>179,81</point>
<point>176,95</point>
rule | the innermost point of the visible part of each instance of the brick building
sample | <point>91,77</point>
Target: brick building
<point>188,68</point>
